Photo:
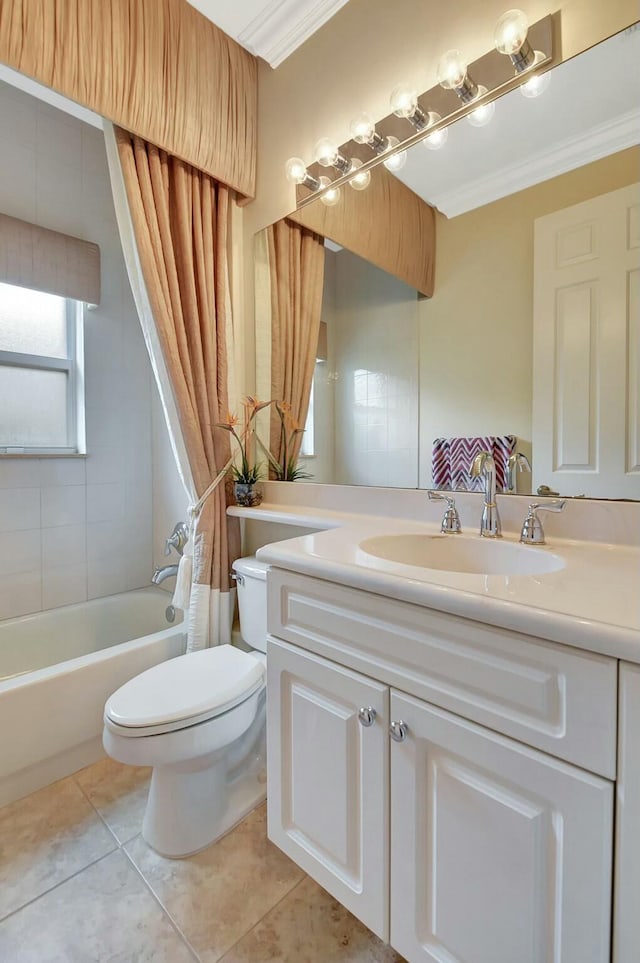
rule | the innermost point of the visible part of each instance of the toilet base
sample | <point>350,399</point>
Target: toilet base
<point>188,810</point>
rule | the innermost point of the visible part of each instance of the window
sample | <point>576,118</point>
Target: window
<point>40,372</point>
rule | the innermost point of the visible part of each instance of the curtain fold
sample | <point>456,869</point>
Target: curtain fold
<point>180,219</point>
<point>296,267</point>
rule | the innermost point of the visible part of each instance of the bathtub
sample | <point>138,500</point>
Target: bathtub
<point>57,669</point>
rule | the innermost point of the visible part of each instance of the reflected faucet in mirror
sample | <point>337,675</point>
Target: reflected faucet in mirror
<point>516,463</point>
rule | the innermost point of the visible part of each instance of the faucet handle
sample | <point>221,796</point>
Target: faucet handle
<point>532,531</point>
<point>450,520</point>
<point>178,539</point>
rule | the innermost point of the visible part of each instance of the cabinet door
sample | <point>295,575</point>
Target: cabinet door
<point>499,854</point>
<point>626,902</point>
<point>328,775</point>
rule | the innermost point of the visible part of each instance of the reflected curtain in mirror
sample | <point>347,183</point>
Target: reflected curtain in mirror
<point>295,258</point>
<point>181,219</point>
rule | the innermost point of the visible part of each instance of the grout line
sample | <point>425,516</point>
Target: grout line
<point>57,885</point>
<point>157,899</point>
<point>96,810</point>
<point>262,918</point>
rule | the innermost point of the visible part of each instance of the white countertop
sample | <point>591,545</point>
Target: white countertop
<point>592,603</point>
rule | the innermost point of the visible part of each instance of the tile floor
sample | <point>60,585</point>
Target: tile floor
<point>78,884</point>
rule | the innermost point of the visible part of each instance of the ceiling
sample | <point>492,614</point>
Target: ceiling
<point>591,109</point>
<point>271,29</point>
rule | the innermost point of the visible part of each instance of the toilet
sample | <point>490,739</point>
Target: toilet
<point>199,720</point>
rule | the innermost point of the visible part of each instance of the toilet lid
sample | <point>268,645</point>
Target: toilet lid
<point>201,684</point>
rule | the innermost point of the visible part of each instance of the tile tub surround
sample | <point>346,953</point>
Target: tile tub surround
<point>77,882</point>
<point>73,529</point>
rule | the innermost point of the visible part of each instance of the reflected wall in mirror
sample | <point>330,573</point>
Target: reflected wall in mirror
<point>540,343</point>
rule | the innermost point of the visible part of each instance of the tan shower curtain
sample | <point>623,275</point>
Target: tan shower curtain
<point>181,219</point>
<point>296,267</point>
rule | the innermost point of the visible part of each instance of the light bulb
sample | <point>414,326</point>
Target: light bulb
<point>325,152</point>
<point>397,161</point>
<point>296,170</point>
<point>332,196</point>
<point>403,101</point>
<point>439,137</point>
<point>362,128</point>
<point>481,116</point>
<point>361,181</point>
<point>537,85</point>
<point>436,140</point>
<point>452,70</point>
<point>511,32</point>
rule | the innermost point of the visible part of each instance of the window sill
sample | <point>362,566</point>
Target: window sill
<point>35,454</point>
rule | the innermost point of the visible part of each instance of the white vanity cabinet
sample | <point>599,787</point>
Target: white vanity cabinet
<point>458,843</point>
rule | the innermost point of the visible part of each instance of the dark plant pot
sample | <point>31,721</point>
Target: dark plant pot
<point>248,496</point>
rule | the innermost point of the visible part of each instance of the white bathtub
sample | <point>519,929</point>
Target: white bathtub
<point>57,669</point>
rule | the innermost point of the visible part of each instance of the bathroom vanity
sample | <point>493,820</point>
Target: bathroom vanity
<point>452,759</point>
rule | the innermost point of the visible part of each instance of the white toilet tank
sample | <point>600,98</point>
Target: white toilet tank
<point>252,601</point>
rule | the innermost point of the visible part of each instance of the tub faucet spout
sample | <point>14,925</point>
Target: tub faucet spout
<point>166,571</point>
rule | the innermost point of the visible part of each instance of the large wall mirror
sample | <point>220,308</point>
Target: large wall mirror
<point>532,337</point>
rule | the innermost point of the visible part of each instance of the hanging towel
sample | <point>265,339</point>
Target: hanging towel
<point>182,592</point>
<point>453,457</point>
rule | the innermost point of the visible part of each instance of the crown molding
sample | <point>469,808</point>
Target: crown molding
<point>595,143</point>
<point>283,25</point>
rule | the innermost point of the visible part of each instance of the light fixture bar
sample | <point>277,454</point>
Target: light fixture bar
<point>492,69</point>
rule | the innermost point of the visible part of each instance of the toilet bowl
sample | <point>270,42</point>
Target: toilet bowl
<point>199,720</point>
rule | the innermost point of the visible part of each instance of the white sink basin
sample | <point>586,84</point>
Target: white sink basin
<point>455,553</point>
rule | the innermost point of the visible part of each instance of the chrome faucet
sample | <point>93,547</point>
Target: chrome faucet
<point>484,465</point>
<point>166,571</point>
<point>517,462</point>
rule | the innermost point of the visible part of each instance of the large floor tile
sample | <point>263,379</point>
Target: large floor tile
<point>218,895</point>
<point>105,913</point>
<point>44,839</point>
<point>119,793</point>
<point>309,926</point>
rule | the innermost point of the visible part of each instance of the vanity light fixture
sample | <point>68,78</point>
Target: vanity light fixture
<point>361,181</point>
<point>397,161</point>
<point>513,39</point>
<point>330,197</point>
<point>439,137</point>
<point>482,115</point>
<point>297,173</point>
<point>536,86</point>
<point>510,38</point>
<point>453,75</point>
<point>363,131</point>
<point>327,154</point>
<point>404,103</point>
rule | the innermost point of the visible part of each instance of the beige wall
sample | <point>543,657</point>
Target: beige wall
<point>476,333</point>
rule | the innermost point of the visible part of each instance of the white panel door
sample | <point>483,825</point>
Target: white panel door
<point>328,778</point>
<point>499,854</point>
<point>586,347</point>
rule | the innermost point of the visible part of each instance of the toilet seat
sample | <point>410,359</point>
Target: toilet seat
<point>184,692</point>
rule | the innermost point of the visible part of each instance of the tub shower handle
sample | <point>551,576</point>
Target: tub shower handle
<point>178,539</point>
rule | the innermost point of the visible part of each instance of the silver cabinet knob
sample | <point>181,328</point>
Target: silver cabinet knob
<point>398,731</point>
<point>366,716</point>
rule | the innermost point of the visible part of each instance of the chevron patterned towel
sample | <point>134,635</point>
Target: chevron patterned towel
<point>453,457</point>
